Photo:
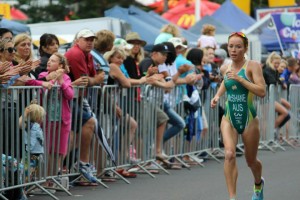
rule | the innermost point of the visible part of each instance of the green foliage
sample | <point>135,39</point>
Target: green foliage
<point>82,9</point>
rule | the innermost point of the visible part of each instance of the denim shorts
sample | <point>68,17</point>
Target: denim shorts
<point>81,111</point>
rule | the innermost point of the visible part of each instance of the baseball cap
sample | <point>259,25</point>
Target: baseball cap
<point>220,55</point>
<point>120,42</point>
<point>85,33</point>
<point>176,41</point>
<point>160,48</point>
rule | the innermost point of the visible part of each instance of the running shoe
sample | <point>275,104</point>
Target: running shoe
<point>87,171</point>
<point>259,194</point>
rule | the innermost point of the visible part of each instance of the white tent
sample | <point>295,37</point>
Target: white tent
<point>66,30</point>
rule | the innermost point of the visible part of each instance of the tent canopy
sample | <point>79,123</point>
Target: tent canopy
<point>137,18</point>
<point>220,28</point>
<point>15,27</point>
<point>183,14</point>
<point>267,34</point>
<point>66,30</point>
<point>233,17</point>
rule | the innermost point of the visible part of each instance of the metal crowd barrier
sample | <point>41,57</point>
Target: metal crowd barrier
<point>138,149</point>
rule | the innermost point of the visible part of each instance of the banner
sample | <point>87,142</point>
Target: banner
<point>287,27</point>
<point>5,10</point>
<point>261,12</point>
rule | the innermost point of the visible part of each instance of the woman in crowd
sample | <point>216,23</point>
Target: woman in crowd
<point>49,44</point>
<point>271,76</point>
<point>115,58</point>
<point>243,80</point>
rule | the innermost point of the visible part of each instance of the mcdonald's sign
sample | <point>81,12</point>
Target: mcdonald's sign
<point>186,20</point>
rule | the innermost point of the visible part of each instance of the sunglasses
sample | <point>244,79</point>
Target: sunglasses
<point>241,34</point>
<point>10,49</point>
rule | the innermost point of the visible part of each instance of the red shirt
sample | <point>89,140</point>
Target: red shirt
<point>80,63</point>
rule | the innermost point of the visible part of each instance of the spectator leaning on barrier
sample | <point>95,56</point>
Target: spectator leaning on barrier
<point>149,68</point>
<point>136,55</point>
<point>103,43</point>
<point>271,76</point>
<point>83,73</point>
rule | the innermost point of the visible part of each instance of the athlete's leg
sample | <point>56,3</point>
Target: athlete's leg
<point>230,138</point>
<point>251,140</point>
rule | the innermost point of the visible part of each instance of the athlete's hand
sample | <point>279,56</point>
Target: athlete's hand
<point>232,75</point>
<point>214,102</point>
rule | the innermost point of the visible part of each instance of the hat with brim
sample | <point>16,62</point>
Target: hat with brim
<point>134,37</point>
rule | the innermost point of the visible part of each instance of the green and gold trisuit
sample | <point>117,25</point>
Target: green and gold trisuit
<point>239,108</point>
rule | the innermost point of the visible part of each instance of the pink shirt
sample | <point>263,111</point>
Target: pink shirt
<point>68,94</point>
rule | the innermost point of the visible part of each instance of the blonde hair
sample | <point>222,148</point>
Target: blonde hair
<point>115,50</point>
<point>273,56</point>
<point>17,40</point>
<point>285,62</point>
<point>63,61</point>
<point>172,29</point>
<point>208,29</point>
<point>37,113</point>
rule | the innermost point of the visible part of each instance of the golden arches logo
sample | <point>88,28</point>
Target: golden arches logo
<point>186,20</point>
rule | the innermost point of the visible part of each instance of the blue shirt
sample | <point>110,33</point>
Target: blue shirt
<point>284,77</point>
<point>181,60</point>
<point>100,63</point>
<point>10,82</point>
<point>124,71</point>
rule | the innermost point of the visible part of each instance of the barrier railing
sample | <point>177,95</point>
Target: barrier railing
<point>129,147</point>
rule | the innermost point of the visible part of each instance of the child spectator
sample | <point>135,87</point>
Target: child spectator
<point>33,117</point>
<point>207,39</point>
<point>57,75</point>
<point>167,32</point>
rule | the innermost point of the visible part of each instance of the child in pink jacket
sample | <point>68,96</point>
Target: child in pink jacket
<point>58,124</point>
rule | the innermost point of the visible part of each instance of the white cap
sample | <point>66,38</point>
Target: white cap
<point>85,33</point>
<point>176,41</point>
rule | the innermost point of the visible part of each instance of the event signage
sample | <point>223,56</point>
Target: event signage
<point>261,12</point>
<point>287,27</point>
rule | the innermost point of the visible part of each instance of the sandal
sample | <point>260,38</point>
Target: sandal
<point>127,174</point>
<point>163,160</point>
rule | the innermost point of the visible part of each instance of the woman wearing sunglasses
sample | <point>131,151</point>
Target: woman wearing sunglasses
<point>243,79</point>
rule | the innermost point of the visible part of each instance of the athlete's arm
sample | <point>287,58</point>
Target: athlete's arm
<point>258,87</point>
<point>221,89</point>
<point>220,93</point>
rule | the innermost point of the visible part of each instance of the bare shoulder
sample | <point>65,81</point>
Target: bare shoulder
<point>253,64</point>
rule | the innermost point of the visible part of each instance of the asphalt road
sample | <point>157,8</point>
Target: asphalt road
<point>281,171</point>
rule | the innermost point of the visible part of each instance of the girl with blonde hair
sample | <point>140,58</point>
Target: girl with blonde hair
<point>167,31</point>
<point>207,39</point>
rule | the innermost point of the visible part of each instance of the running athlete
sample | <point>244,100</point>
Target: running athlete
<point>243,79</point>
